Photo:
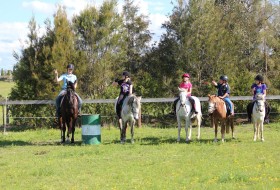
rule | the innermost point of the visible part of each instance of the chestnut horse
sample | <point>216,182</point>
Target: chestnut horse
<point>69,113</point>
<point>217,111</point>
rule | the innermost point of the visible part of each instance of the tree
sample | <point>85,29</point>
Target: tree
<point>100,35</point>
<point>63,50</point>
<point>137,35</point>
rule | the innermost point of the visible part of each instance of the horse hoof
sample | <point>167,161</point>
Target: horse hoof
<point>262,140</point>
<point>132,141</point>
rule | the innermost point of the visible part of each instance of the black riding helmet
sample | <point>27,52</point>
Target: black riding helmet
<point>259,78</point>
<point>224,78</point>
<point>126,74</point>
<point>70,66</point>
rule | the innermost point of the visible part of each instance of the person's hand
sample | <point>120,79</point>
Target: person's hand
<point>221,97</point>
<point>214,83</point>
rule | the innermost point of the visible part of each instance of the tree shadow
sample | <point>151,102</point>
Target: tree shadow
<point>4,143</point>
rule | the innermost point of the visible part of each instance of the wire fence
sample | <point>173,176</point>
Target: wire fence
<point>155,111</point>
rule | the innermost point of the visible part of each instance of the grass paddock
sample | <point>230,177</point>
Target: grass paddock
<point>35,159</point>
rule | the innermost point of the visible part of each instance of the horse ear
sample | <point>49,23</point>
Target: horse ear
<point>139,98</point>
<point>209,95</point>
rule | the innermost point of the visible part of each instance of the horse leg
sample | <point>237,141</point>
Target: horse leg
<point>73,131</point>
<point>232,128</point>
<point>123,135</point>
<point>179,128</point>
<point>223,130</point>
<point>215,123</point>
<point>187,130</point>
<point>261,129</point>
<point>63,130</point>
<point>255,130</point>
<point>69,128</point>
<point>188,125</point>
<point>198,119</point>
<point>120,127</point>
<point>132,123</point>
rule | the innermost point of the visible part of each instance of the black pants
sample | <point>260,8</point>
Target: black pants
<point>250,107</point>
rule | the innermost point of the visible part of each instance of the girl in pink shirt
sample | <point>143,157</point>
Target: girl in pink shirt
<point>187,85</point>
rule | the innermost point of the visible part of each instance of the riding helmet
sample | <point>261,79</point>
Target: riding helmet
<point>70,66</point>
<point>126,74</point>
<point>224,78</point>
<point>186,75</point>
<point>259,78</point>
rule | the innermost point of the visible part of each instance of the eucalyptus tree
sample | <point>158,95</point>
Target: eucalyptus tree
<point>101,36</point>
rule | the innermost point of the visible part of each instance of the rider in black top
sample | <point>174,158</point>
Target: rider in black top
<point>125,90</point>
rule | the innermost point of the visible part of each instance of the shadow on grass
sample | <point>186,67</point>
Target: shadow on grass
<point>151,140</point>
<point>7,143</point>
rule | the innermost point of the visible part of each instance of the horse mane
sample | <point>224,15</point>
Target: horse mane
<point>215,99</point>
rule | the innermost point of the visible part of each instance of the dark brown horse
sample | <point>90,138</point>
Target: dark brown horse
<point>218,113</point>
<point>69,112</point>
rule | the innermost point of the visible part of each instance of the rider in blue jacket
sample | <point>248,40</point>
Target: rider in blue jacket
<point>69,76</point>
<point>224,91</point>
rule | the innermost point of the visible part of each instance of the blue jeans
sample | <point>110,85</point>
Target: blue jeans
<point>229,103</point>
<point>58,101</point>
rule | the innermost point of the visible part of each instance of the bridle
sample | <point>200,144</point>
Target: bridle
<point>182,105</point>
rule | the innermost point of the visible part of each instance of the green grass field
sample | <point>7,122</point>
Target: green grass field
<point>4,92</point>
<point>5,88</point>
<point>34,159</point>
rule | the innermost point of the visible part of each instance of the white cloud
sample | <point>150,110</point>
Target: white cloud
<point>74,6</point>
<point>40,6</point>
<point>156,22</point>
<point>10,35</point>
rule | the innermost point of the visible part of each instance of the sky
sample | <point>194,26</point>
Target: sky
<point>15,15</point>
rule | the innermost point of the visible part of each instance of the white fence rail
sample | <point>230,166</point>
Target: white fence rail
<point>108,101</point>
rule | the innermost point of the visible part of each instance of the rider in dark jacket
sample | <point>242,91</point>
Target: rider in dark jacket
<point>126,86</point>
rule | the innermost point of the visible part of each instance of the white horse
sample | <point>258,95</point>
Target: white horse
<point>258,116</point>
<point>129,113</point>
<point>184,111</point>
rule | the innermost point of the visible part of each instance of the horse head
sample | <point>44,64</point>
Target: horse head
<point>260,105</point>
<point>182,95</point>
<point>212,103</point>
<point>70,85</point>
